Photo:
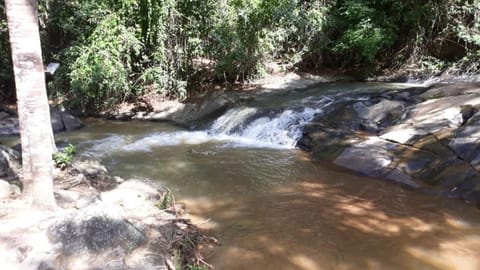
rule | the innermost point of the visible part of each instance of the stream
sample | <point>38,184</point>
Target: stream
<point>242,180</point>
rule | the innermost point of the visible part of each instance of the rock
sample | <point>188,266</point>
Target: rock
<point>117,229</point>
<point>366,115</point>
<point>95,174</point>
<point>428,138</point>
<point>87,199</point>
<point>4,115</point>
<point>431,117</point>
<point>384,113</point>
<point>161,113</point>
<point>70,122</point>
<point>63,121</point>
<point>93,230</point>
<point>5,190</point>
<point>9,127</point>
<point>371,157</point>
<point>56,118</point>
<point>402,134</point>
<point>449,90</point>
<point>190,114</point>
<point>466,143</point>
<point>403,179</point>
<point>213,106</point>
<point>326,143</point>
<point>380,111</point>
<point>9,163</point>
<point>66,198</point>
<point>131,194</point>
<point>89,167</point>
<point>15,190</point>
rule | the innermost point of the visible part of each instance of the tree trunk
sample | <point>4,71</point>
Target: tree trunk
<point>32,103</point>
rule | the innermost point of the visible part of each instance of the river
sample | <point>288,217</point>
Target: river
<point>272,207</point>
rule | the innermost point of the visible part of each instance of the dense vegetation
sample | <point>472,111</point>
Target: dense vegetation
<point>116,50</point>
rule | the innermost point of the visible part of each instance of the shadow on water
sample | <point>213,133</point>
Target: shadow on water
<point>276,209</point>
<point>318,224</point>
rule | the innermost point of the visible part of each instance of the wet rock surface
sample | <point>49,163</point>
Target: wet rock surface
<point>424,138</point>
<point>190,115</point>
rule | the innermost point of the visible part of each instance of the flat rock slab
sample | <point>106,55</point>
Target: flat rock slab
<point>450,90</point>
<point>430,117</point>
<point>371,157</point>
<point>467,142</point>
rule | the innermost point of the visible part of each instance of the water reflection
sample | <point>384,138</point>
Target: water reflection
<point>276,209</point>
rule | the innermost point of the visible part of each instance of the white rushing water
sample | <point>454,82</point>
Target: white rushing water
<point>238,127</point>
<point>278,128</point>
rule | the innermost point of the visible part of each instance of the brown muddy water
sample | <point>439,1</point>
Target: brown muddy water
<point>274,208</point>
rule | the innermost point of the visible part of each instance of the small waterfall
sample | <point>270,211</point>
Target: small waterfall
<point>232,120</point>
<point>264,129</point>
<point>261,127</point>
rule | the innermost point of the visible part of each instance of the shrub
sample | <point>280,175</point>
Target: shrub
<point>64,158</point>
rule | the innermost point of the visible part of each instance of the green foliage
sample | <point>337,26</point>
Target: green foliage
<point>257,31</point>
<point>64,158</point>
<point>101,67</point>
<point>360,31</point>
<point>166,200</point>
<point>116,50</point>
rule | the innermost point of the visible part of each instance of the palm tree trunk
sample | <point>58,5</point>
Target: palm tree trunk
<point>32,102</point>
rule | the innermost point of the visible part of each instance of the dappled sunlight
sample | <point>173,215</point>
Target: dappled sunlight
<point>278,210</point>
<point>310,225</point>
<point>304,263</point>
<point>456,223</point>
<point>461,253</point>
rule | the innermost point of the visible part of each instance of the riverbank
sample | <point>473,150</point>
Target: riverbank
<point>421,136</point>
<point>101,222</point>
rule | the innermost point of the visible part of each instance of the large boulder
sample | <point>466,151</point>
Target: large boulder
<point>61,121</point>
<point>95,230</point>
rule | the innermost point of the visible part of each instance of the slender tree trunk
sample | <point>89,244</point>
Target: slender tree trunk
<point>32,102</point>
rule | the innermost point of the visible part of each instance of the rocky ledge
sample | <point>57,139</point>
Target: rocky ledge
<point>197,114</point>
<point>102,222</point>
<point>423,137</point>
